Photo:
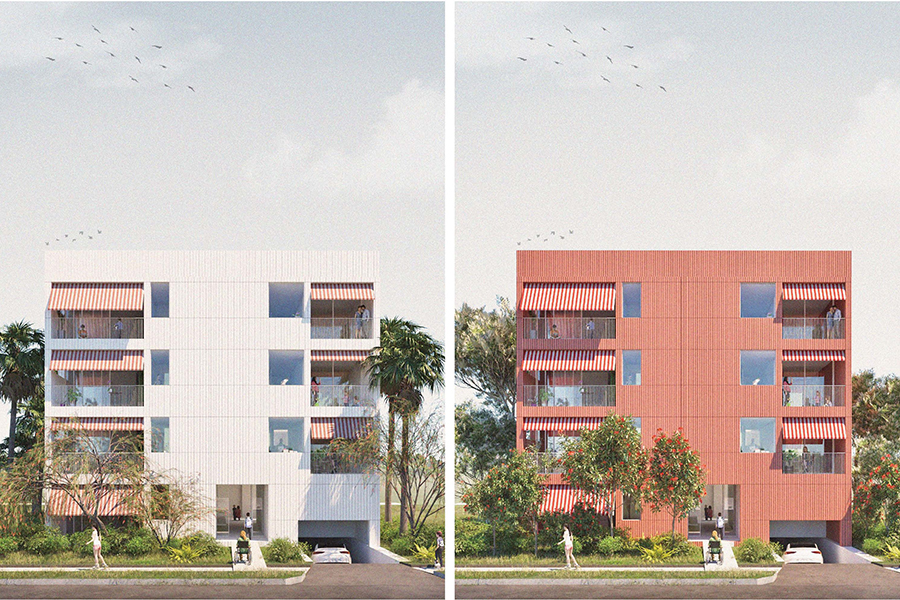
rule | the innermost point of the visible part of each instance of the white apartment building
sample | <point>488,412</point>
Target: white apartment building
<point>237,368</point>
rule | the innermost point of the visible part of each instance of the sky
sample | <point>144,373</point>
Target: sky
<point>778,129</point>
<point>310,126</point>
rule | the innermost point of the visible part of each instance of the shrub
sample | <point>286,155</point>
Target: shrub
<point>8,545</point>
<point>281,550</point>
<point>402,546</point>
<point>138,546</point>
<point>891,552</point>
<point>113,540</point>
<point>185,554</point>
<point>473,538</point>
<point>389,531</point>
<point>753,550</point>
<point>47,542</point>
<point>80,544</point>
<point>203,543</point>
<point>304,550</point>
<point>425,553</point>
<point>872,546</point>
<point>427,535</point>
<point>657,554</point>
<point>610,545</point>
<point>679,545</point>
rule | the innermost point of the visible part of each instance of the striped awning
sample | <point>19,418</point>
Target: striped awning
<point>329,428</point>
<point>814,291</point>
<point>569,296</point>
<point>814,428</point>
<point>96,296</point>
<point>817,355</point>
<point>342,291</point>
<point>113,503</point>
<point>569,360</point>
<point>562,498</point>
<point>97,360</point>
<point>98,424</point>
<point>567,424</point>
<point>339,355</point>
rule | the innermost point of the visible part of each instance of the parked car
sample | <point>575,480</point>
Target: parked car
<point>331,555</point>
<point>803,552</point>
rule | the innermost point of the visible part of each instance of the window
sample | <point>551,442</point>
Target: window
<point>285,367</point>
<point>631,300</point>
<point>757,367</point>
<point>631,507</point>
<point>159,367</point>
<point>285,300</point>
<point>285,435</point>
<point>159,434</point>
<point>631,367</point>
<point>757,435</point>
<point>159,299</point>
<point>636,421</point>
<point>758,300</point>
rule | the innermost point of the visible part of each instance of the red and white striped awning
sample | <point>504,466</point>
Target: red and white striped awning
<point>562,498</point>
<point>569,296</point>
<point>97,360</point>
<point>812,355</point>
<point>339,355</point>
<point>96,296</point>
<point>569,360</point>
<point>814,428</point>
<point>329,428</point>
<point>814,291</point>
<point>113,503</point>
<point>342,291</point>
<point>567,424</point>
<point>98,424</point>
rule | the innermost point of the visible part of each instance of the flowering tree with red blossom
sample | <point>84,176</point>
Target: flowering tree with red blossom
<point>511,492</point>
<point>876,495</point>
<point>607,460</point>
<point>675,478</point>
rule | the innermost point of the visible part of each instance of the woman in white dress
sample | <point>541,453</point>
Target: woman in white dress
<point>569,547</point>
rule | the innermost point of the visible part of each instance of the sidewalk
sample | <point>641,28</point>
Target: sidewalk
<point>728,560</point>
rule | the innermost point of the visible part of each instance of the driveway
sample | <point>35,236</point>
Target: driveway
<point>794,581</point>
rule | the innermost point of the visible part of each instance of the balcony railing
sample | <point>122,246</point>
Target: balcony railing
<point>802,328</point>
<point>97,395</point>
<point>793,462</point>
<point>570,328</point>
<point>75,462</point>
<point>98,328</point>
<point>343,395</point>
<point>339,328</point>
<point>813,395</point>
<point>334,463</point>
<point>548,463</point>
<point>570,395</point>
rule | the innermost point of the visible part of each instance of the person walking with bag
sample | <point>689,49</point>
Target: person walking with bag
<point>248,525</point>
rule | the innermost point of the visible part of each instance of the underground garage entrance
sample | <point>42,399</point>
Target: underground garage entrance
<point>353,535</point>
<point>792,532</point>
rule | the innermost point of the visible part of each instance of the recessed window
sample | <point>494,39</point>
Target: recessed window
<point>631,367</point>
<point>285,367</point>
<point>631,507</point>
<point>285,435</point>
<point>159,299</point>
<point>757,435</point>
<point>757,367</point>
<point>631,300</point>
<point>758,300</point>
<point>159,367</point>
<point>636,421</point>
<point>159,434</point>
<point>285,300</point>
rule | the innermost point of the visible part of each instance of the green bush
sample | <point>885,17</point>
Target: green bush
<point>80,544</point>
<point>610,545</point>
<point>281,550</point>
<point>113,540</point>
<point>47,542</point>
<point>872,546</point>
<point>427,535</point>
<point>138,546</point>
<point>185,554</point>
<point>203,543</point>
<point>389,531</point>
<point>753,550</point>
<point>402,546</point>
<point>8,545</point>
<point>679,545</point>
<point>656,554</point>
<point>473,538</point>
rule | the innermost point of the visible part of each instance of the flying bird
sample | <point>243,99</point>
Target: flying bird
<point>110,53</point>
<point>609,59</point>
<point>85,62</point>
<point>48,58</point>
<point>605,79</point>
<point>104,42</point>
<point>80,233</point>
<point>131,28</point>
<point>663,89</point>
<point>65,235</point>
<point>167,85</point>
<point>57,239</point>
<point>192,89</point>
<point>520,58</point>
<point>581,53</point>
<point>639,85</point>
<point>155,46</point>
<point>58,38</point>
<point>517,243</point>
<point>635,66</point>
<point>133,79</point>
<point>529,38</point>
<point>95,29</point>
<point>98,231</point>
<point>631,47</point>
<point>575,42</point>
<point>604,29</point>
<point>567,29</point>
<point>79,45</point>
<point>90,237</point>
<point>549,44</point>
<point>46,243</point>
<point>164,66</point>
<point>139,60</point>
<point>571,231</point>
<point>557,62</point>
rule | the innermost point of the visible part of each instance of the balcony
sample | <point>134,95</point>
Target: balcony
<point>570,395</point>
<point>794,462</point>
<point>335,463</point>
<point>104,327</point>
<point>80,462</point>
<point>343,395</point>
<point>97,395</point>
<point>813,395</point>
<point>339,328</point>
<point>570,328</point>
<point>805,328</point>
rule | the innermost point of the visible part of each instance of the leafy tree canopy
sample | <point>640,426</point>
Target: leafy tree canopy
<point>486,354</point>
<point>675,478</point>
<point>482,439</point>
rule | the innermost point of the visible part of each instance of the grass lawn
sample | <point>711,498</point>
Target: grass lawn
<point>70,559</point>
<point>562,574</point>
<point>103,574</point>
<point>695,558</point>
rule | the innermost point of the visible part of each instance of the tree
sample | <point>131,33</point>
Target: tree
<point>407,361</point>
<point>675,478</point>
<point>876,405</point>
<point>510,493</point>
<point>876,495</point>
<point>21,370</point>
<point>486,354</point>
<point>482,439</point>
<point>29,424</point>
<point>167,503</point>
<point>871,495</point>
<point>607,460</point>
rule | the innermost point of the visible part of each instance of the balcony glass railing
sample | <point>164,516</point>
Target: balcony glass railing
<point>334,463</point>
<point>570,328</point>
<point>570,395</point>
<point>793,462</point>
<point>813,395</point>
<point>89,461</point>
<point>338,328</point>
<point>97,395</point>
<point>802,328</point>
<point>343,395</point>
<point>98,328</point>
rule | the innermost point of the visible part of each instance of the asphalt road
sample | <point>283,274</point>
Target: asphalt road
<point>322,582</point>
<point>794,581</point>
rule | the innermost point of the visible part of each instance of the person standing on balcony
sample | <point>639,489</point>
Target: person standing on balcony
<point>554,332</point>
<point>829,323</point>
<point>362,320</point>
<point>590,329</point>
<point>248,525</point>
<point>98,545</point>
<point>837,322</point>
<point>118,327</point>
<point>314,387</point>
<point>82,331</point>
<point>785,391</point>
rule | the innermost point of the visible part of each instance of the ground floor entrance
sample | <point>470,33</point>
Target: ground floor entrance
<point>233,502</point>
<point>718,499</point>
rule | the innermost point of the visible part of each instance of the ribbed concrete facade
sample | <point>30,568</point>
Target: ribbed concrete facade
<point>691,335</point>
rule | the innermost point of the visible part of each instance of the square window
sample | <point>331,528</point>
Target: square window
<point>757,435</point>
<point>159,299</point>
<point>631,300</point>
<point>285,367</point>
<point>159,434</point>
<point>758,300</point>
<point>159,367</point>
<point>757,367</point>
<point>631,367</point>
<point>285,300</point>
<point>285,435</point>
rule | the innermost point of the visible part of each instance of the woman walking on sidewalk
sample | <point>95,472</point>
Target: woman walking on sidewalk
<point>569,546</point>
<point>95,540</point>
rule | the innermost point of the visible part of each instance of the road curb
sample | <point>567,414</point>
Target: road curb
<point>248,581</point>
<point>645,581</point>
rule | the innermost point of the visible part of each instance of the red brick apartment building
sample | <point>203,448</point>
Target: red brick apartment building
<point>739,349</point>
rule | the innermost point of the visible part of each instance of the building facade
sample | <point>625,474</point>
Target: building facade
<point>747,351</point>
<point>234,368</point>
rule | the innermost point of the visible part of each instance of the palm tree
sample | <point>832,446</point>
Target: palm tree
<point>21,369</point>
<point>407,361</point>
